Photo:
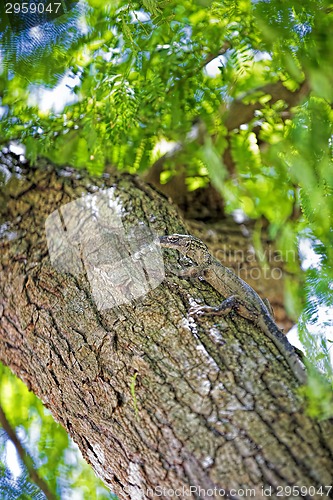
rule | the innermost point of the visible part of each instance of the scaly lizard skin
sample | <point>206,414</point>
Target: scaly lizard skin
<point>239,295</point>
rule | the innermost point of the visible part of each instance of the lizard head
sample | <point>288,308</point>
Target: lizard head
<point>188,245</point>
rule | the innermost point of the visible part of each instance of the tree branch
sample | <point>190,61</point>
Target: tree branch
<point>239,112</point>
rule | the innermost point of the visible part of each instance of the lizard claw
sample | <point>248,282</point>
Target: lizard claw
<point>199,310</point>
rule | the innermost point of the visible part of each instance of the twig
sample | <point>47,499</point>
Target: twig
<point>25,457</point>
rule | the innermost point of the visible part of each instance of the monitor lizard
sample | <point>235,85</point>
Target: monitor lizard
<point>239,296</point>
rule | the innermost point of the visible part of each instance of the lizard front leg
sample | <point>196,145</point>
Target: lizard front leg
<point>233,302</point>
<point>192,272</point>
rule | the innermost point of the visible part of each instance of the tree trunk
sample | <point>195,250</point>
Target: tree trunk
<point>156,400</point>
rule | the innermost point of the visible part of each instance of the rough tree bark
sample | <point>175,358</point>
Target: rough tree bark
<point>154,398</point>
